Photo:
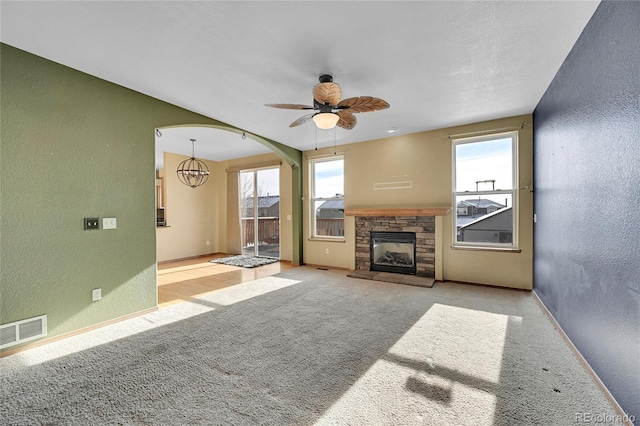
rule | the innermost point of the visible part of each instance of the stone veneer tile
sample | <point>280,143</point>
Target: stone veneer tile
<point>423,226</point>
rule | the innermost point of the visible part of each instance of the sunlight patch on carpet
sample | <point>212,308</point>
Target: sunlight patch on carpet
<point>244,261</point>
<point>443,330</point>
<point>388,388</point>
<point>449,360</point>
<point>238,293</point>
<point>120,330</point>
<point>103,335</point>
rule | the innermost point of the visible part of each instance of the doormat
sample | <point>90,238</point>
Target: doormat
<point>244,261</point>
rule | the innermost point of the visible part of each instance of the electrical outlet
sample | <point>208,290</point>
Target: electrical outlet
<point>326,251</point>
<point>91,223</point>
<point>96,294</point>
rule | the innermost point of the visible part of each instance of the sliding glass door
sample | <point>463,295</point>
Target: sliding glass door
<point>260,212</point>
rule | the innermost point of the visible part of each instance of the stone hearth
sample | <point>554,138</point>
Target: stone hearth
<point>393,278</point>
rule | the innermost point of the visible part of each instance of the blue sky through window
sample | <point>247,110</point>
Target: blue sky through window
<point>482,161</point>
<point>329,178</point>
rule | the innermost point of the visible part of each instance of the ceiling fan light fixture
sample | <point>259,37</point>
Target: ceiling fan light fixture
<point>326,120</point>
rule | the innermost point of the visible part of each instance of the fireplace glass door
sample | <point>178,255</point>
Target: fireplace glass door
<point>393,252</point>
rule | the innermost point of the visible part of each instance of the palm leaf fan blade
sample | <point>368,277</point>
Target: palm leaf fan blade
<point>363,104</point>
<point>289,106</point>
<point>327,93</point>
<point>347,120</point>
<point>301,120</point>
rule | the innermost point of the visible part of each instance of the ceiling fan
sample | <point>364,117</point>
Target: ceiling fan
<point>330,111</point>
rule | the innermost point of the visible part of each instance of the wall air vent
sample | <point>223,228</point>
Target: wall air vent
<point>22,331</point>
<point>405,184</point>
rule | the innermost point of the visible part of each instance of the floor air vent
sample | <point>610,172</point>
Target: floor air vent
<point>22,331</point>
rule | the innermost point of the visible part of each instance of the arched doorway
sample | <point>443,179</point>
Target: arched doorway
<point>225,146</point>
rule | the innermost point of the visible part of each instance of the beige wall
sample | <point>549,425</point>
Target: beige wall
<point>190,214</point>
<point>424,160</point>
<point>210,213</point>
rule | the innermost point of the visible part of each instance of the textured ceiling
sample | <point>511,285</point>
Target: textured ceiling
<point>438,63</point>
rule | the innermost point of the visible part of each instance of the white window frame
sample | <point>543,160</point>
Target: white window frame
<point>313,199</point>
<point>513,191</point>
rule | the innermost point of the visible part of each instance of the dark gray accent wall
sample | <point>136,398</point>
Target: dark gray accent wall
<point>587,198</point>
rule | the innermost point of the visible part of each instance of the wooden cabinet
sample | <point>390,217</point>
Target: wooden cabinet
<point>160,193</point>
<point>161,220</point>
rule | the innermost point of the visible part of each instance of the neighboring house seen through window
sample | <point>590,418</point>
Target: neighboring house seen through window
<point>484,191</point>
<point>327,199</point>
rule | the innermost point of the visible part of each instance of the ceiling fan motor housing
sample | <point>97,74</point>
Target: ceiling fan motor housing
<point>330,109</point>
<point>322,107</point>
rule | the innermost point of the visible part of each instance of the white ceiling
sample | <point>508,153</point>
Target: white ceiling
<point>438,63</point>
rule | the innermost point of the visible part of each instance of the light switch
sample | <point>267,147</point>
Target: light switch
<point>109,223</point>
<point>96,294</point>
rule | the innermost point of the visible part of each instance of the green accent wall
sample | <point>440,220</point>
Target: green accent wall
<point>75,146</point>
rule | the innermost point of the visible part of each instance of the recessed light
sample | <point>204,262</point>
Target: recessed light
<point>392,129</point>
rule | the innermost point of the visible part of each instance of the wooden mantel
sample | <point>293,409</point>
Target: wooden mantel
<point>419,211</point>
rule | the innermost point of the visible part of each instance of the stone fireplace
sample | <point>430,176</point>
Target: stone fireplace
<point>422,226</point>
<point>420,221</point>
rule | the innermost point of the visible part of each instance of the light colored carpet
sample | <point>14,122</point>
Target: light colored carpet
<point>244,261</point>
<point>311,347</point>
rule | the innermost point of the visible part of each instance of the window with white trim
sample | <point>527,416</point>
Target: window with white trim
<point>485,191</point>
<point>327,199</point>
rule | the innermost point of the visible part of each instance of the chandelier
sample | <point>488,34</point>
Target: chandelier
<point>193,172</point>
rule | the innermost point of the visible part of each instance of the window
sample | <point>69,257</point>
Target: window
<point>484,181</point>
<point>327,199</point>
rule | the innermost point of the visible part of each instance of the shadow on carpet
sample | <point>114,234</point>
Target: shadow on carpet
<point>244,261</point>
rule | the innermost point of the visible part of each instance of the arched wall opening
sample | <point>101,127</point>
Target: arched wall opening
<point>205,219</point>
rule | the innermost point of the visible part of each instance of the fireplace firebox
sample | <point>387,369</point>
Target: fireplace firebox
<point>393,252</point>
